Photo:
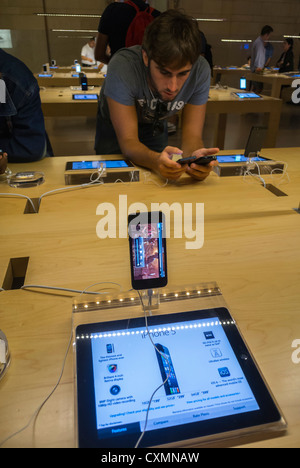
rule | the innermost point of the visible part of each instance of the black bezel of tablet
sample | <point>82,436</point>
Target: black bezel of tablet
<point>267,415</point>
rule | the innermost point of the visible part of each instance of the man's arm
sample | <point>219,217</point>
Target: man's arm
<point>3,162</point>
<point>83,57</point>
<point>192,142</point>
<point>192,128</point>
<point>28,140</point>
<point>125,122</point>
<point>101,48</point>
<point>259,55</point>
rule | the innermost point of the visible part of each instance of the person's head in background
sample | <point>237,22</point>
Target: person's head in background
<point>266,32</point>
<point>288,43</point>
<point>92,42</point>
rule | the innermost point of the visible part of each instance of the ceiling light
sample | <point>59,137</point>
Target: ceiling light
<point>67,15</point>
<point>74,30</point>
<point>211,19</point>
<point>236,40</point>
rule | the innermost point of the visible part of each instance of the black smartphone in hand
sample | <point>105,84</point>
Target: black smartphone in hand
<point>147,250</point>
<point>202,161</point>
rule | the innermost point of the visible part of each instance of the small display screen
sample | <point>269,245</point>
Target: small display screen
<point>243,83</point>
<point>82,165</point>
<point>247,95</point>
<point>85,97</point>
<point>45,75</point>
<point>148,250</point>
<point>237,158</point>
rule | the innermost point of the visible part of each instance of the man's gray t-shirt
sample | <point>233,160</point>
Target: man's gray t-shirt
<point>126,83</point>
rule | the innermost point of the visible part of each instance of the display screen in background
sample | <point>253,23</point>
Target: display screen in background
<point>236,158</point>
<point>87,97</point>
<point>243,83</point>
<point>82,165</point>
<point>247,95</point>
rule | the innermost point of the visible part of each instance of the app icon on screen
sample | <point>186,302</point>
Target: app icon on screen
<point>209,335</point>
<point>115,390</point>
<point>224,372</point>
<point>112,368</point>
<point>110,348</point>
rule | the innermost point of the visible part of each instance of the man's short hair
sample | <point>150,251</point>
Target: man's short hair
<point>173,39</point>
<point>266,30</point>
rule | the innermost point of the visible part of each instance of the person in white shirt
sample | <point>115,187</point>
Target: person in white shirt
<point>88,53</point>
<point>258,56</point>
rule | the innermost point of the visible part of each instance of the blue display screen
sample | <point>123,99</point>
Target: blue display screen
<point>85,97</point>
<point>209,385</point>
<point>81,165</point>
<point>247,95</point>
<point>235,158</point>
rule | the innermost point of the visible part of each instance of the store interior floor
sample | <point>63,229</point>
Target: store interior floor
<point>74,136</point>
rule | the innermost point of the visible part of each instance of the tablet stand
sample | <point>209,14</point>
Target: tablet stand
<point>4,355</point>
<point>150,299</point>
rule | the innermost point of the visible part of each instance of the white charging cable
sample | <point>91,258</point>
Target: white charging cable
<point>251,164</point>
<point>20,196</point>
<point>92,182</point>
<point>164,382</point>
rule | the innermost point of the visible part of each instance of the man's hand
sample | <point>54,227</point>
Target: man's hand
<point>166,167</point>
<point>3,163</point>
<point>198,172</point>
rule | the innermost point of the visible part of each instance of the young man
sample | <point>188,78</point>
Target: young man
<point>258,55</point>
<point>145,86</point>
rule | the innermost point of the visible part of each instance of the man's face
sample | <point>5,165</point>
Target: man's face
<point>92,44</point>
<point>266,37</point>
<point>167,82</point>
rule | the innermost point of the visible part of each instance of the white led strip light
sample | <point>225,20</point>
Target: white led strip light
<point>154,330</point>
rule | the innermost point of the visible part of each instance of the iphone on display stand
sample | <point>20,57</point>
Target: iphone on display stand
<point>147,250</point>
